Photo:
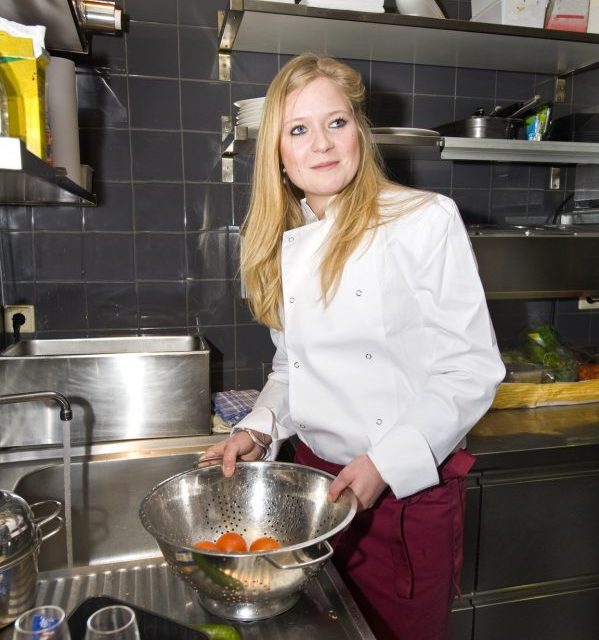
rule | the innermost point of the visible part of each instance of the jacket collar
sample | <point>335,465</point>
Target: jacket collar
<point>309,215</point>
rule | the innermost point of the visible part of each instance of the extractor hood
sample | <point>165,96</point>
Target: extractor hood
<point>538,262</point>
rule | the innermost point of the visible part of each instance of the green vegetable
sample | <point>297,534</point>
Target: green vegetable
<point>215,574</point>
<point>543,346</point>
<point>218,631</point>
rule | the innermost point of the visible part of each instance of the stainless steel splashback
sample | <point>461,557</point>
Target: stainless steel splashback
<point>119,388</point>
<point>537,262</point>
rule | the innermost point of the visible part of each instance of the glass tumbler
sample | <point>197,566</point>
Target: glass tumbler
<point>42,623</point>
<point>116,622</point>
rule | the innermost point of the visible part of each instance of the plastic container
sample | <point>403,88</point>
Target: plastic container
<point>24,77</point>
<point>520,13</point>
<point>568,15</point>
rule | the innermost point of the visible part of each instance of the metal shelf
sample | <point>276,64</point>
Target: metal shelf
<point>25,179</point>
<point>270,27</point>
<point>495,150</point>
<point>241,140</point>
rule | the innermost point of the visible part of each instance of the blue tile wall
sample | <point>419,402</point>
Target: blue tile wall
<point>159,252</point>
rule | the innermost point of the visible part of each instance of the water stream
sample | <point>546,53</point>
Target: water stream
<point>66,463</point>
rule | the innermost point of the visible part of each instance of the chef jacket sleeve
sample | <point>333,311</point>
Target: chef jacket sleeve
<point>271,411</point>
<point>463,363</point>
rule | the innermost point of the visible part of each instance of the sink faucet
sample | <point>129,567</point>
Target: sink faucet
<point>66,413</point>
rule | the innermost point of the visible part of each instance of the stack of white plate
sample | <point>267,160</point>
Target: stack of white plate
<point>372,6</point>
<point>249,112</point>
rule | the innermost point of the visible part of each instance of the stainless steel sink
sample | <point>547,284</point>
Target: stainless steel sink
<point>106,491</point>
<point>119,388</point>
<point>109,480</point>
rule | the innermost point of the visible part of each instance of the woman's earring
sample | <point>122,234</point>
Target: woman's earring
<point>283,170</point>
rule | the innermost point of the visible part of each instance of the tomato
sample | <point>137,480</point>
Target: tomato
<point>206,544</point>
<point>231,542</point>
<point>264,544</point>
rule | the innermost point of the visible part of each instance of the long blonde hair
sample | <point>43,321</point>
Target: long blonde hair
<point>275,203</point>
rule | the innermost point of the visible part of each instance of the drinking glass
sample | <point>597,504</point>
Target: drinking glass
<point>42,623</point>
<point>116,622</point>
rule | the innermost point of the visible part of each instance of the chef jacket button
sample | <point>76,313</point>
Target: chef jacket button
<point>291,239</point>
<point>292,300</point>
<point>369,356</point>
<point>302,426</point>
<point>379,422</point>
<point>296,364</point>
<point>358,292</point>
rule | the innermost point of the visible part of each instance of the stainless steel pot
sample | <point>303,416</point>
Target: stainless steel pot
<point>20,539</point>
<point>283,500</point>
<point>482,127</point>
<point>502,122</point>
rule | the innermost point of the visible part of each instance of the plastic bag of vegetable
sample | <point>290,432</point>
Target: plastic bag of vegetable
<point>543,346</point>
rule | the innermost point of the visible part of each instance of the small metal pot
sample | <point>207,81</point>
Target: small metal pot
<point>20,539</point>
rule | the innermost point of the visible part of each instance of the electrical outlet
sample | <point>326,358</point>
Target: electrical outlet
<point>11,310</point>
<point>587,303</point>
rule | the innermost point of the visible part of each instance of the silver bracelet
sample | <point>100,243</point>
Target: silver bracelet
<point>265,448</point>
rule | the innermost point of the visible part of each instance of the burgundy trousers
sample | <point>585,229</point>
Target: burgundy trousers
<point>401,560</point>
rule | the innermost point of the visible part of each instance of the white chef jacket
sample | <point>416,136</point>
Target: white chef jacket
<point>400,364</point>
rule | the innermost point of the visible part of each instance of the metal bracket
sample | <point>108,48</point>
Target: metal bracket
<point>227,173</point>
<point>226,126</point>
<point>224,66</point>
<point>559,90</point>
<point>554,177</point>
<point>228,25</point>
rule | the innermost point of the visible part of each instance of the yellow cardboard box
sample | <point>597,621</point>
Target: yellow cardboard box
<point>24,78</point>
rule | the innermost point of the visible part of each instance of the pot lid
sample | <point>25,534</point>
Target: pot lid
<point>18,531</point>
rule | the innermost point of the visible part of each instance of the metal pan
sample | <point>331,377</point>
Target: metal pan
<point>482,127</point>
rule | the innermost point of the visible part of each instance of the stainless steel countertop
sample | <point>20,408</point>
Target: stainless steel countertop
<point>324,611</point>
<point>506,430</point>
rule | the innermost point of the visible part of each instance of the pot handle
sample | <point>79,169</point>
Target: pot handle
<point>40,521</point>
<point>298,565</point>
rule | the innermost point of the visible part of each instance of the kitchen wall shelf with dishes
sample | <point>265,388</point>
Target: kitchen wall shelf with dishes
<point>241,140</point>
<point>271,27</point>
<point>26,179</point>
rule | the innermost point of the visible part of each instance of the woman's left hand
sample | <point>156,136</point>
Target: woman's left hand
<point>362,477</point>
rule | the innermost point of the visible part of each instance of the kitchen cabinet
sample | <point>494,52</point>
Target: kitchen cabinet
<point>531,562</point>
<point>267,27</point>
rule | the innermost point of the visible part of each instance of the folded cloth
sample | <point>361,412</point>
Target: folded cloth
<point>219,425</point>
<point>233,405</point>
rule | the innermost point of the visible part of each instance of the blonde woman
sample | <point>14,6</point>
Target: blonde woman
<point>385,353</point>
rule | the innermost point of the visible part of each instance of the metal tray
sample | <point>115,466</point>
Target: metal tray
<point>151,625</point>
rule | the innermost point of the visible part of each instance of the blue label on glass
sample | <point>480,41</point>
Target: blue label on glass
<point>4,589</point>
<point>41,622</point>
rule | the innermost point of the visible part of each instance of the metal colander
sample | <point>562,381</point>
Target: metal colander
<point>285,501</point>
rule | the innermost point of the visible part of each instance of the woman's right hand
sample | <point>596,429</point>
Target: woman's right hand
<point>239,445</point>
